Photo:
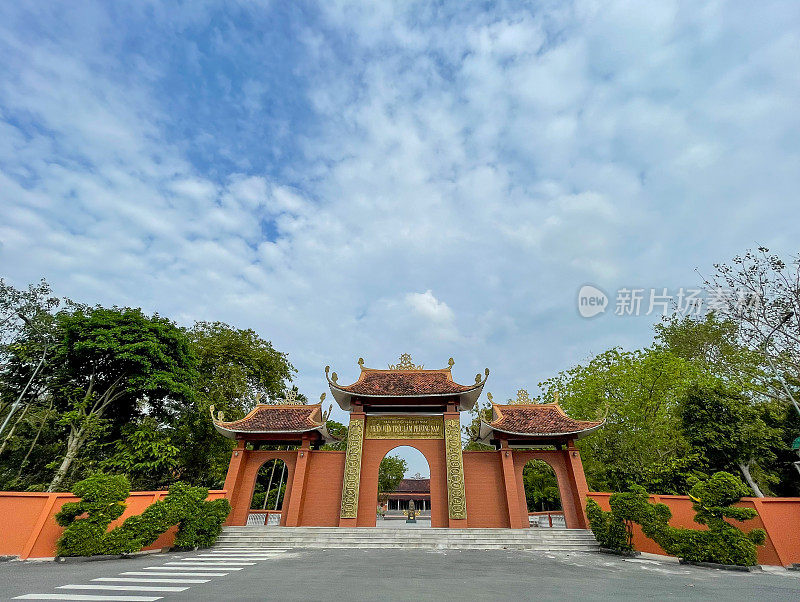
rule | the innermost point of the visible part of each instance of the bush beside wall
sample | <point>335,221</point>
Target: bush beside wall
<point>199,521</point>
<point>712,501</point>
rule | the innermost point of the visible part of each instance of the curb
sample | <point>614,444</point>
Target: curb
<point>625,553</point>
<point>100,557</point>
<point>725,567</point>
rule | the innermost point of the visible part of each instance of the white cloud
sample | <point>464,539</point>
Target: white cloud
<point>501,158</point>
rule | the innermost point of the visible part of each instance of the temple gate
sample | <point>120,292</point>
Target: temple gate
<point>407,405</point>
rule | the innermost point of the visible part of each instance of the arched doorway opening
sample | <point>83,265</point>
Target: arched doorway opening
<point>404,482</point>
<point>269,493</point>
<point>542,494</point>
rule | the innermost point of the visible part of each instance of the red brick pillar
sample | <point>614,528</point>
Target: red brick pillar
<point>298,485</point>
<point>578,484</point>
<point>233,485</point>
<point>515,518</point>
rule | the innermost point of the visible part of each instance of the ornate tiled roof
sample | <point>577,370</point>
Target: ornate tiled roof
<point>278,418</point>
<point>537,420</point>
<point>391,383</point>
<point>405,379</point>
<point>413,486</point>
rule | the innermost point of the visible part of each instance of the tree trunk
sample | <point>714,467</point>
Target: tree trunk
<point>745,468</point>
<point>278,493</point>
<point>73,445</point>
<point>13,428</point>
<point>35,439</point>
<point>269,486</point>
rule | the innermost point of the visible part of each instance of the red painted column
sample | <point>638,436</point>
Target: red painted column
<point>298,484</point>
<point>233,484</point>
<point>578,484</point>
<point>515,518</point>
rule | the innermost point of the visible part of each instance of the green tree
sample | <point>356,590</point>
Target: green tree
<point>26,339</point>
<point>638,392</point>
<point>541,487</point>
<point>236,370</point>
<point>390,473</point>
<point>110,365</point>
<point>145,454</point>
<point>338,430</point>
<point>727,429</point>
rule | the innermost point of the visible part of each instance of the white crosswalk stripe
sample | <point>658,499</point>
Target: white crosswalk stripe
<point>153,580</point>
<point>227,565</point>
<point>125,588</point>
<point>171,573</point>
<point>174,576</point>
<point>249,557</point>
<point>223,561</point>
<point>105,598</point>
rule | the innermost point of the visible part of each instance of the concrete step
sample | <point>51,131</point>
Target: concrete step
<point>420,544</point>
<point>243,538</point>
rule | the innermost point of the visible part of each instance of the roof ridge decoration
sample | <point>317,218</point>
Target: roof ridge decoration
<point>405,363</point>
<point>523,398</point>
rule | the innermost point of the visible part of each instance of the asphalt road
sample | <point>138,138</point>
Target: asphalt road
<point>388,575</point>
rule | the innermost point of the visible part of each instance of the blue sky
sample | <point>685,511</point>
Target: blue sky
<point>367,179</point>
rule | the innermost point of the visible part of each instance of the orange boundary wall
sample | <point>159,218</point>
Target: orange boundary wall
<point>778,516</point>
<point>29,529</point>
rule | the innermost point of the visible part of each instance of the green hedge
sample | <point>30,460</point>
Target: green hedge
<point>712,501</point>
<point>102,501</point>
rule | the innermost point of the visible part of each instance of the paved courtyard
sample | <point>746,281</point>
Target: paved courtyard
<point>386,575</point>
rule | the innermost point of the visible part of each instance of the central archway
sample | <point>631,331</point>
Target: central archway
<point>403,480</point>
<point>375,450</point>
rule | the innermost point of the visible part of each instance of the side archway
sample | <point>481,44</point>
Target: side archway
<point>570,495</point>
<point>542,494</point>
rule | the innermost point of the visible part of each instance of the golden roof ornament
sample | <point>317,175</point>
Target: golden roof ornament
<point>523,398</point>
<point>405,363</point>
<point>478,376</point>
<point>451,362</point>
<point>291,397</point>
<point>489,396</point>
<point>333,377</point>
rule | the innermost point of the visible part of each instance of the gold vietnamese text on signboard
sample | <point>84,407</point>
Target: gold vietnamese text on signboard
<point>404,427</point>
<point>352,469</point>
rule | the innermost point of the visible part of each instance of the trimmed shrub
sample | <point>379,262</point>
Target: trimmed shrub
<point>102,501</point>
<point>199,522</point>
<point>202,529</point>
<point>712,499</point>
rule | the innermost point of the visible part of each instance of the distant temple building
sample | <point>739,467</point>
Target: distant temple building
<point>407,405</point>
<point>418,490</point>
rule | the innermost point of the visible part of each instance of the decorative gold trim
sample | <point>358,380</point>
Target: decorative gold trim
<point>404,427</point>
<point>352,469</point>
<point>523,398</point>
<point>456,496</point>
<point>405,363</point>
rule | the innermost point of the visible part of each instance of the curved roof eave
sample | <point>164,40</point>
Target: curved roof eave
<point>484,433</point>
<point>231,433</point>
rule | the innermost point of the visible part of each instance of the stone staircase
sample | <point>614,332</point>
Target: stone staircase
<point>544,540</point>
